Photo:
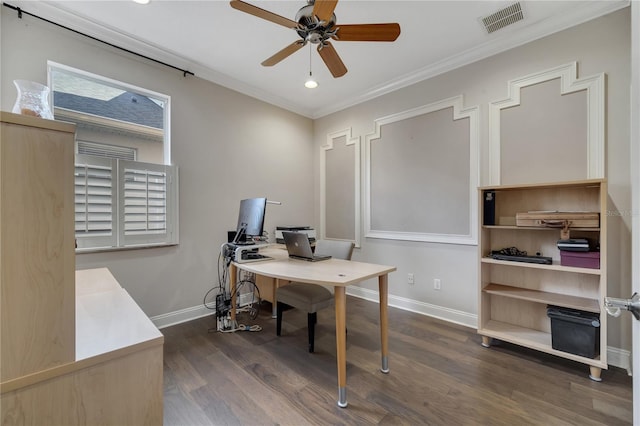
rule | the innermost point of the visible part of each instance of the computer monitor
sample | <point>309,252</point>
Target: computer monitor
<point>250,219</point>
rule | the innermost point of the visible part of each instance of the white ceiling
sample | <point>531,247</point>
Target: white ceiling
<point>226,46</point>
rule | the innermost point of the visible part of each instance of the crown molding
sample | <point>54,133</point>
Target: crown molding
<point>491,47</point>
<point>59,14</point>
<point>497,44</point>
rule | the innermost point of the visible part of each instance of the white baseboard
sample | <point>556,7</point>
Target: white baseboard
<point>615,356</point>
<point>619,358</point>
<point>446,314</point>
<point>195,312</point>
<point>183,315</point>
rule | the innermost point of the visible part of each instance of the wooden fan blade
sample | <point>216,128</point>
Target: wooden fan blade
<point>323,9</point>
<point>284,53</point>
<point>368,32</point>
<point>332,60</point>
<point>261,13</point>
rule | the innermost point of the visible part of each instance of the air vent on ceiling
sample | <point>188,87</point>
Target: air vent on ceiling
<point>502,18</point>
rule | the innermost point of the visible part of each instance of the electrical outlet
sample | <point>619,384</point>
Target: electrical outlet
<point>436,283</point>
<point>410,279</point>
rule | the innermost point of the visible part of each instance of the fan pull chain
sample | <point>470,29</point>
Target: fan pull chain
<point>310,83</point>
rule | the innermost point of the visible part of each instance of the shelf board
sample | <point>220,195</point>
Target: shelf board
<point>533,339</point>
<point>537,296</point>
<point>555,266</point>
<point>535,186</point>
<point>536,228</point>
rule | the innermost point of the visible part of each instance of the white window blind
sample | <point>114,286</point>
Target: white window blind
<point>106,150</point>
<point>123,203</point>
<point>145,207</point>
<point>94,195</point>
<point>144,198</point>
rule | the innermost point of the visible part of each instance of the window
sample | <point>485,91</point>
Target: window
<point>126,190</point>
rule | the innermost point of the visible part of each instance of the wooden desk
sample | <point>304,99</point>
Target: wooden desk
<point>334,272</point>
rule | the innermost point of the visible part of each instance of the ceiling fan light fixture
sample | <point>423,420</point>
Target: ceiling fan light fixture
<point>310,83</point>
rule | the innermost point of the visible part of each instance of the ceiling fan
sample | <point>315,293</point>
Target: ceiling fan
<point>315,23</point>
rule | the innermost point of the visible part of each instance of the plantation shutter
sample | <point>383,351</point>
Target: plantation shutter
<point>145,195</point>
<point>106,150</point>
<point>95,201</point>
<point>122,203</point>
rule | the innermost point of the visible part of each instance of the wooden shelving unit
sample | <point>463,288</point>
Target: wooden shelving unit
<point>555,266</point>
<point>513,296</point>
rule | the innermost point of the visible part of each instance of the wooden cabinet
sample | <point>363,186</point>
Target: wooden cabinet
<point>37,258</point>
<point>75,347</point>
<point>513,296</point>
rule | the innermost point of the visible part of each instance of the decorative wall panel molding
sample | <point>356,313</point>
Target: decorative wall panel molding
<point>594,120</point>
<point>421,174</point>
<point>340,187</point>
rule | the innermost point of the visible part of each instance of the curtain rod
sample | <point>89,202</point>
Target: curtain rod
<point>21,12</point>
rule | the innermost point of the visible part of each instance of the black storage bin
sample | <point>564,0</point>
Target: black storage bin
<point>574,331</point>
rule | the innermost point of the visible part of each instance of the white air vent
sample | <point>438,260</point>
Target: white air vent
<point>503,17</point>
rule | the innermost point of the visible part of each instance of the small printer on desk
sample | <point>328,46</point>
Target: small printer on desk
<point>311,233</point>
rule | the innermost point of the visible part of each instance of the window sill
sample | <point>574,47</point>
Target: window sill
<point>90,250</point>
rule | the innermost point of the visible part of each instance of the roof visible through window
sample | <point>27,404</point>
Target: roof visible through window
<point>85,95</point>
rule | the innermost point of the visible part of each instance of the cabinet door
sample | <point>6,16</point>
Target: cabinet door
<point>37,254</point>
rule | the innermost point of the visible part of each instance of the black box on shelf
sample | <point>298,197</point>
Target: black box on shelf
<point>489,213</point>
<point>574,331</point>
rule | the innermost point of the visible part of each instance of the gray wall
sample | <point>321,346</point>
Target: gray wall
<point>602,45</point>
<point>228,146</point>
<point>216,132</point>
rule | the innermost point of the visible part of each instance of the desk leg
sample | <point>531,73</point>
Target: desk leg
<point>274,305</point>
<point>384,322</point>
<point>341,343</point>
<point>233,278</point>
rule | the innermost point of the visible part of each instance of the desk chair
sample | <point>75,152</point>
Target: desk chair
<point>311,297</point>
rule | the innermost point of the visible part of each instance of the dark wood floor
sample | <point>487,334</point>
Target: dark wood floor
<point>440,375</point>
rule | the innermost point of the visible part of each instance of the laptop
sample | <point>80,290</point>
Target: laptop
<point>299,247</point>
